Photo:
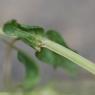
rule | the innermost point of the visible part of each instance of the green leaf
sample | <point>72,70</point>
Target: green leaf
<point>32,72</point>
<point>32,29</point>
<point>56,37</point>
<point>53,58</point>
<point>28,34</point>
<point>13,28</point>
<point>10,27</point>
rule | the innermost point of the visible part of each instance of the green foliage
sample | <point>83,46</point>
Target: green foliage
<point>32,29</point>
<point>10,28</point>
<point>56,37</point>
<point>13,28</point>
<point>53,58</point>
<point>32,72</point>
<point>35,33</point>
<point>21,31</point>
<point>28,34</point>
<point>32,35</point>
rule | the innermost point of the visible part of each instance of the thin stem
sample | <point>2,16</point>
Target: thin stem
<point>74,57</point>
<point>61,50</point>
<point>1,32</point>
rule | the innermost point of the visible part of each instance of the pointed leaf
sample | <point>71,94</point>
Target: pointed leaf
<point>32,73</point>
<point>28,34</point>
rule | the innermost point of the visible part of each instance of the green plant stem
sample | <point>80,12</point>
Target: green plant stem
<point>61,50</point>
<point>74,57</point>
<point>1,32</point>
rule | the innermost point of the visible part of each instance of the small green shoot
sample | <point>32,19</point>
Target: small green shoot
<point>49,46</point>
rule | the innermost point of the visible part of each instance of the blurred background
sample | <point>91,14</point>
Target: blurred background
<point>74,19</point>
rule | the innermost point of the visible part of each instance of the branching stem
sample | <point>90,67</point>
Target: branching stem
<point>61,50</point>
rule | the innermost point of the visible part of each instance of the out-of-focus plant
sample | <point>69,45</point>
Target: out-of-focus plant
<point>49,47</point>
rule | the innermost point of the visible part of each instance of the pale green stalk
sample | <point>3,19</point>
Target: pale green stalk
<point>1,32</point>
<point>74,57</point>
<point>61,50</point>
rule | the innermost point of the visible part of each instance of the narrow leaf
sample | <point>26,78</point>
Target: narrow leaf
<point>32,73</point>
